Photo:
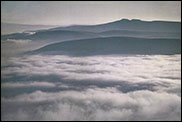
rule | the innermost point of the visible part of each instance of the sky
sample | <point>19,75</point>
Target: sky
<point>88,12</point>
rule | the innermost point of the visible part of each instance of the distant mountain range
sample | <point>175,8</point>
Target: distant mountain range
<point>113,45</point>
<point>119,37</point>
<point>131,25</point>
<point>124,27</point>
<point>8,28</point>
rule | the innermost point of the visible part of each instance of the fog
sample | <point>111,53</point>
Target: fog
<point>98,72</point>
<point>102,87</point>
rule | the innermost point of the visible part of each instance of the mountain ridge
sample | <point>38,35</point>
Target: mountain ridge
<point>113,45</point>
<point>121,25</point>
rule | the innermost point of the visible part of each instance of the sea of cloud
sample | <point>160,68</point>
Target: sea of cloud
<point>103,87</point>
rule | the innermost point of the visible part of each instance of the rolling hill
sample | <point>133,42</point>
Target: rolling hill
<point>113,45</point>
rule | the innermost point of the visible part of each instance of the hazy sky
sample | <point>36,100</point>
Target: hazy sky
<point>89,12</point>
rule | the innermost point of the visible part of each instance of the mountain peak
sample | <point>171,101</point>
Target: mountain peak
<point>125,20</point>
<point>132,20</point>
<point>136,20</point>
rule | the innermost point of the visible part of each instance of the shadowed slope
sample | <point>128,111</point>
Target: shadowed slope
<point>114,45</point>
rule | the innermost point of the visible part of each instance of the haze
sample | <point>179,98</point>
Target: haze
<point>87,13</point>
<point>118,63</point>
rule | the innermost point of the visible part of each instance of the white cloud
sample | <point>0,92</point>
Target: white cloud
<point>18,41</point>
<point>27,84</point>
<point>133,69</point>
<point>97,104</point>
<point>30,32</point>
<point>134,74</point>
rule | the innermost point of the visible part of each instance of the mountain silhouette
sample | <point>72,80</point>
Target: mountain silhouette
<point>113,45</point>
<point>124,27</point>
<point>125,24</point>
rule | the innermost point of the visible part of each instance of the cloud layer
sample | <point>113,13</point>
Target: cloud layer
<point>141,68</point>
<point>122,87</point>
<point>94,104</point>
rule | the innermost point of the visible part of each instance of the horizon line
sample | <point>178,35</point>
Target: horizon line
<point>93,24</point>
